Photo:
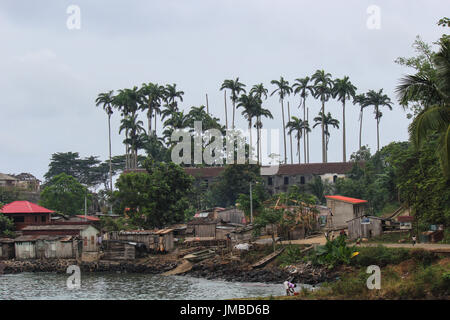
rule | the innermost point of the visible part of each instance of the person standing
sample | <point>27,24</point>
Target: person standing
<point>414,240</point>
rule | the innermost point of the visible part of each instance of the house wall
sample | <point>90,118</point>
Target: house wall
<point>25,250</point>
<point>342,212</point>
<point>6,251</point>
<point>358,230</point>
<point>29,219</point>
<point>205,230</point>
<point>89,236</point>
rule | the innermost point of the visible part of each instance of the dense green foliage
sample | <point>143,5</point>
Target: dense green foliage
<point>6,225</point>
<point>333,253</point>
<point>64,194</point>
<point>156,198</point>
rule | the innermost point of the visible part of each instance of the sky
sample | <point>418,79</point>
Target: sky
<point>50,74</point>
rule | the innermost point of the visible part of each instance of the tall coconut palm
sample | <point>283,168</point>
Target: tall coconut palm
<point>326,121</point>
<point>323,86</point>
<point>283,89</point>
<point>343,90</point>
<point>106,100</point>
<point>377,100</point>
<point>152,95</point>
<point>250,104</point>
<point>134,128</point>
<point>300,126</point>
<point>260,91</point>
<point>170,97</point>
<point>236,88</point>
<point>302,87</point>
<point>360,100</point>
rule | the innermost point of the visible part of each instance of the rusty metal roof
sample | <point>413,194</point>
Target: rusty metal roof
<point>33,238</point>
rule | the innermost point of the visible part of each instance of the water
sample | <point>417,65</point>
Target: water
<point>115,286</point>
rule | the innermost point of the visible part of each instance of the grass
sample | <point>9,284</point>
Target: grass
<point>405,274</point>
<point>392,237</point>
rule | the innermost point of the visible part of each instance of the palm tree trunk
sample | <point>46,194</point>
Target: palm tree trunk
<point>290,135</point>
<point>378,128</point>
<point>284,132</point>
<point>298,148</point>
<point>149,119</point>
<point>250,149</point>
<point>226,113</point>
<point>234,109</point>
<point>324,152</point>
<point>307,133</point>
<point>155,121</point>
<point>110,158</point>
<point>304,131</point>
<point>344,152</point>
<point>360,127</point>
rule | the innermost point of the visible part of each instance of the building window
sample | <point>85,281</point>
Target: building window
<point>35,219</point>
<point>286,180</point>
<point>19,219</point>
<point>269,181</point>
<point>302,180</point>
<point>335,178</point>
<point>43,219</point>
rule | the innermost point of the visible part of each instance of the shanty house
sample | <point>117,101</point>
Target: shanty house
<point>46,246</point>
<point>25,213</point>
<point>232,215</point>
<point>7,181</point>
<point>344,209</point>
<point>203,227</point>
<point>154,240</point>
<point>365,227</point>
<point>86,232</point>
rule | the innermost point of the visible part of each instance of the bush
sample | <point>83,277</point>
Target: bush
<point>380,256</point>
<point>291,255</point>
<point>423,256</point>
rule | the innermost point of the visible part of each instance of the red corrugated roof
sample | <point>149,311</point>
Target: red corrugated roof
<point>24,207</point>
<point>346,199</point>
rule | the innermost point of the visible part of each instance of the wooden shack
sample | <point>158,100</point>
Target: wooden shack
<point>46,247</point>
<point>203,227</point>
<point>7,249</point>
<point>154,240</point>
<point>119,250</point>
<point>365,227</point>
<point>232,215</point>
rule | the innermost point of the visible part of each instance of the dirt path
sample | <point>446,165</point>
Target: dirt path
<point>427,246</point>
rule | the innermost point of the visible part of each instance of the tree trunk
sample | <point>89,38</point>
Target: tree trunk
<point>324,152</point>
<point>298,147</point>
<point>250,148</point>
<point>149,119</point>
<point>304,131</point>
<point>226,113</point>
<point>155,121</point>
<point>290,135</point>
<point>307,134</point>
<point>360,127</point>
<point>110,158</point>
<point>284,132</point>
<point>234,109</point>
<point>344,152</point>
<point>378,128</point>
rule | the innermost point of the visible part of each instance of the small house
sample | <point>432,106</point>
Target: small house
<point>232,215</point>
<point>405,222</point>
<point>119,250</point>
<point>25,213</point>
<point>86,232</point>
<point>344,209</point>
<point>203,227</point>
<point>154,240</point>
<point>365,227</point>
<point>47,247</point>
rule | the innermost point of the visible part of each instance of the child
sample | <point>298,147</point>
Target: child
<point>413,240</point>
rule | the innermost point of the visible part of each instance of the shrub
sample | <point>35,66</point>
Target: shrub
<point>423,256</point>
<point>380,256</point>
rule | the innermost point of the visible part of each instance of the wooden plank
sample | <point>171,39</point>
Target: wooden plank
<point>267,258</point>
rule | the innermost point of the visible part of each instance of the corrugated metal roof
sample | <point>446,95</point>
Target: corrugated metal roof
<point>33,238</point>
<point>347,199</point>
<point>56,227</point>
<point>23,207</point>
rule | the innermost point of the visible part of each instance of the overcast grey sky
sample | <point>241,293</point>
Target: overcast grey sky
<point>50,75</point>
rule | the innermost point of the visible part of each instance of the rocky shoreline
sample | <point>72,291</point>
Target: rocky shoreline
<point>231,271</point>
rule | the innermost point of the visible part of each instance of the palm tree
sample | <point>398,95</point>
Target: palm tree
<point>134,137</point>
<point>326,121</point>
<point>361,100</point>
<point>260,91</point>
<point>378,99</point>
<point>283,90</point>
<point>322,89</point>
<point>434,93</point>
<point>152,95</point>
<point>236,88</point>
<point>170,96</point>
<point>344,90</point>
<point>300,126</point>
<point>107,99</point>
<point>302,88</point>
<point>250,104</point>
<point>177,120</point>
